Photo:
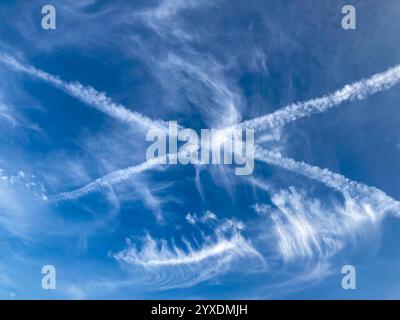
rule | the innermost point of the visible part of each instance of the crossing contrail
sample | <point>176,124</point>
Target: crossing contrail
<point>111,178</point>
<point>356,91</point>
<point>87,95</point>
<point>333,180</point>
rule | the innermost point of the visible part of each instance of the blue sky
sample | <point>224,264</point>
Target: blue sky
<point>76,192</point>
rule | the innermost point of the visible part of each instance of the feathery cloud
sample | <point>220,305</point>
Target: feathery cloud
<point>172,267</point>
<point>307,229</point>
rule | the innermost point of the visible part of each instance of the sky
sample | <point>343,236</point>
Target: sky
<point>76,190</point>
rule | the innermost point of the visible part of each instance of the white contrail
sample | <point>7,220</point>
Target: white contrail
<point>87,95</point>
<point>111,178</point>
<point>355,91</point>
<point>331,179</point>
<point>358,90</point>
<point>115,177</point>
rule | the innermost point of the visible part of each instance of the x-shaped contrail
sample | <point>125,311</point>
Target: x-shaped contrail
<point>273,121</point>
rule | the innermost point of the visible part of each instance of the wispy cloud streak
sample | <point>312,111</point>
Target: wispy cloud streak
<point>381,201</point>
<point>305,228</point>
<point>171,266</point>
<point>116,177</point>
<point>356,91</point>
<point>112,178</point>
<point>150,256</point>
<point>86,94</point>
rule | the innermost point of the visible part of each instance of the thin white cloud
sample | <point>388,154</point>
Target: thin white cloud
<point>378,199</point>
<point>207,217</point>
<point>151,256</point>
<point>307,229</point>
<point>25,210</point>
<point>10,117</point>
<point>170,8</point>
<point>22,198</point>
<point>191,218</point>
<point>173,267</point>
<point>85,94</point>
<point>112,178</point>
<point>202,79</point>
<point>149,198</point>
<point>6,114</point>
<point>356,91</point>
<point>164,18</point>
<point>261,208</point>
<point>186,72</point>
<point>115,177</point>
